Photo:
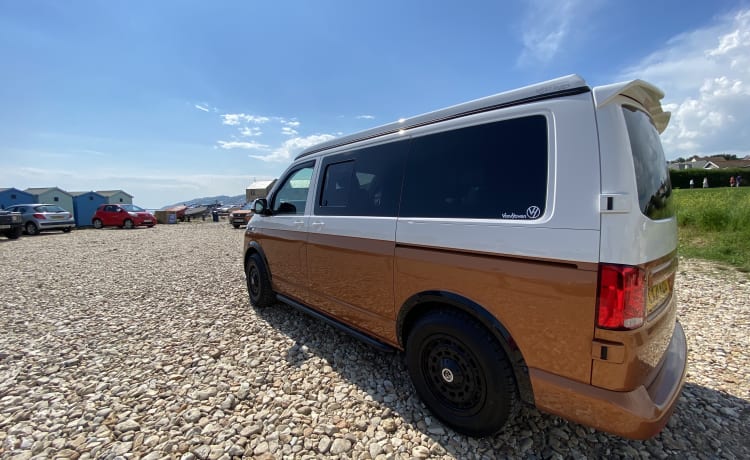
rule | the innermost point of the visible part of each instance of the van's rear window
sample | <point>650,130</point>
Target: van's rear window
<point>651,173</point>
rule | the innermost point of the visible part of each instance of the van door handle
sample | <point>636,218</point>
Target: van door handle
<point>317,225</point>
<point>299,223</point>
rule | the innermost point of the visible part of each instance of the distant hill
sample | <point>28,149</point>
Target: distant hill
<point>223,199</point>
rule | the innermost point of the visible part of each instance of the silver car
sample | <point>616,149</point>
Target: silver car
<point>39,217</point>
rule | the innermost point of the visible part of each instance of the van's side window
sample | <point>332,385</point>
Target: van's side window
<point>292,196</point>
<point>337,184</point>
<point>365,182</point>
<point>492,171</point>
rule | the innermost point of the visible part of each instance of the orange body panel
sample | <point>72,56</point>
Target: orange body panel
<point>548,308</point>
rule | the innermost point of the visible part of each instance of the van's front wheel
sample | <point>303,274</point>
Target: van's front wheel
<point>258,283</point>
<point>461,372</point>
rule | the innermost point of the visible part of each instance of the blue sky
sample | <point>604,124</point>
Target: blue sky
<point>171,100</point>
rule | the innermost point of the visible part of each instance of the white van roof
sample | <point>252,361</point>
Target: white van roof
<point>644,93</point>
<point>563,86</point>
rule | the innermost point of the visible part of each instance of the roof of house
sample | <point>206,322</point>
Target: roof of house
<point>113,192</point>
<point>261,184</point>
<point>40,190</point>
<point>84,193</point>
<point>3,189</point>
<point>731,163</point>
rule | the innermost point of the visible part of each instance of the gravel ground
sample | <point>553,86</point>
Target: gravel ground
<point>141,344</point>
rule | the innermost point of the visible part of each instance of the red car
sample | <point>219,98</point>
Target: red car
<point>122,215</point>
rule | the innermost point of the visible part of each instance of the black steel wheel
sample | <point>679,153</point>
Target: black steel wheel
<point>461,372</point>
<point>31,228</point>
<point>258,283</point>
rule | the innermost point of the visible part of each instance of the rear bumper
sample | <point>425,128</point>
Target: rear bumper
<point>636,414</point>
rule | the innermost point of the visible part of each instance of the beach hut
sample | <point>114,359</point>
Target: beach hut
<point>51,195</point>
<point>11,196</point>
<point>84,206</point>
<point>116,196</point>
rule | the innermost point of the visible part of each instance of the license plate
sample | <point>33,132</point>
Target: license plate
<point>657,294</point>
<point>146,221</point>
<point>3,227</point>
<point>58,217</point>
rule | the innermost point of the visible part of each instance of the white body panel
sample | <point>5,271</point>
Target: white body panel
<point>629,237</point>
<point>589,160</point>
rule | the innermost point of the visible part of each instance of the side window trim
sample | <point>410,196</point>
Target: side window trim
<point>283,181</point>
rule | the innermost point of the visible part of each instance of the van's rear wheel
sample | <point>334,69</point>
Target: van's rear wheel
<point>258,282</point>
<point>461,372</point>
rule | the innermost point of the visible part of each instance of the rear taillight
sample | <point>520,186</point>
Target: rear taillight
<point>39,216</point>
<point>622,297</point>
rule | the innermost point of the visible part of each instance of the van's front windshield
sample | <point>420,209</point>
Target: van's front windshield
<point>651,173</point>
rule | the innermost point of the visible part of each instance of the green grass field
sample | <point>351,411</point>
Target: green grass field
<point>715,224</point>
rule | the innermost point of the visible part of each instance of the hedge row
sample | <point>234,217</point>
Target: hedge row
<point>716,177</point>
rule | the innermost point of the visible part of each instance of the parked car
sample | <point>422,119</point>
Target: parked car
<point>11,224</point>
<point>122,215</point>
<point>241,216</point>
<point>38,217</point>
<point>554,286</point>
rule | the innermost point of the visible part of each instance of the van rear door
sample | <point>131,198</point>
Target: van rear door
<point>636,306</point>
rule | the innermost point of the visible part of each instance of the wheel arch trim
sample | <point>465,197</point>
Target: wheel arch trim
<point>252,248</point>
<point>418,303</point>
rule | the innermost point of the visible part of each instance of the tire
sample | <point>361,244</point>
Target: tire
<point>67,229</point>
<point>461,372</point>
<point>258,283</point>
<point>127,223</point>
<point>14,233</point>
<point>235,226</point>
<point>32,229</point>
<point>150,225</point>
<point>98,223</point>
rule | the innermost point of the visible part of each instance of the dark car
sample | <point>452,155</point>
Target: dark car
<point>122,215</point>
<point>11,224</point>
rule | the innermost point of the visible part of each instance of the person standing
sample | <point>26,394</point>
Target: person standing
<point>692,183</point>
<point>739,179</point>
<point>705,182</point>
<point>731,181</point>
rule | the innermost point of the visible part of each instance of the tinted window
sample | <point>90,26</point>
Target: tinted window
<point>651,173</point>
<point>492,171</point>
<point>365,182</point>
<point>336,184</point>
<point>292,196</point>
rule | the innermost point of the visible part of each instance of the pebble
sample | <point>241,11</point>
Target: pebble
<point>142,344</point>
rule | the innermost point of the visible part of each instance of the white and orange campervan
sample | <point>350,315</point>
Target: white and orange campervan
<point>519,247</point>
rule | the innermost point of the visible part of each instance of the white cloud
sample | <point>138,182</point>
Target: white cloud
<point>250,131</point>
<point>365,117</point>
<point>293,146</point>
<point>705,75</point>
<point>229,145</point>
<point>233,119</point>
<point>287,131</point>
<point>202,107</point>
<point>548,24</point>
<point>291,123</point>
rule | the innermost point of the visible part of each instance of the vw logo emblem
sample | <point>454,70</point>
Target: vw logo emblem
<point>447,375</point>
<point>533,212</point>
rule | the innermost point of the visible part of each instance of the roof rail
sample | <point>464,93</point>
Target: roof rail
<point>559,87</point>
